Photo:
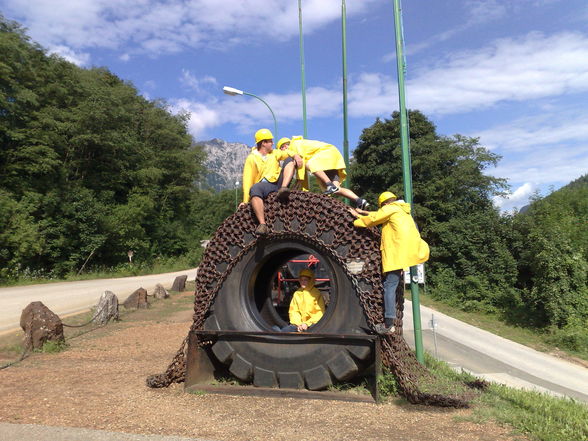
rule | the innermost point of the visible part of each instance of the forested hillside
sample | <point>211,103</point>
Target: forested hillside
<point>89,169</point>
<point>531,268</point>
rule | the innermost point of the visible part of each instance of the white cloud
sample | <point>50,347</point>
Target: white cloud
<point>517,199</point>
<point>546,165</point>
<point>551,129</point>
<point>516,70</point>
<point>79,58</point>
<point>190,81</point>
<point>157,26</point>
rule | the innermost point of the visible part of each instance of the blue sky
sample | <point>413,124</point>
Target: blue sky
<point>514,73</point>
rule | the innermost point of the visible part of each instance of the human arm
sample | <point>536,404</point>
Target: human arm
<point>294,313</point>
<point>249,172</point>
<point>374,218</point>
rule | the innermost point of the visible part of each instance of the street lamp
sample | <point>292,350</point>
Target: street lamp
<point>232,91</point>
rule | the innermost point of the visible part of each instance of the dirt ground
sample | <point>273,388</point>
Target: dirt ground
<point>99,383</point>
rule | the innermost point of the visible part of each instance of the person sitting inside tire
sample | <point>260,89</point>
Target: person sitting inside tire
<point>307,306</point>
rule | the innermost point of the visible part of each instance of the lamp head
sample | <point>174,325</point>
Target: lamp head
<point>232,91</point>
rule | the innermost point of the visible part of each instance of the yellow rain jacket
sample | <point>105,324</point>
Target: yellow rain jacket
<point>307,306</point>
<point>258,167</point>
<point>401,245</point>
<point>319,156</point>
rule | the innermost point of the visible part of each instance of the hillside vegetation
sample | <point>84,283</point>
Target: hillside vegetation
<point>89,169</point>
<point>530,269</point>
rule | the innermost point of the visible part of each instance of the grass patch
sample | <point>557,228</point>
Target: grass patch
<point>533,338</point>
<point>159,266</point>
<point>537,415</point>
<point>53,347</point>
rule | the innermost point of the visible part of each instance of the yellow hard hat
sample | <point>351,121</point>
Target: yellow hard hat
<point>283,141</point>
<point>306,272</point>
<point>262,134</point>
<point>385,196</point>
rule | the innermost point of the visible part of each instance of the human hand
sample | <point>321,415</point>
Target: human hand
<point>362,212</point>
<point>302,327</point>
<point>298,160</point>
<point>353,211</point>
<point>242,204</point>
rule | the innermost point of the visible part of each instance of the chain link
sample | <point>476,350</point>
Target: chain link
<point>326,224</point>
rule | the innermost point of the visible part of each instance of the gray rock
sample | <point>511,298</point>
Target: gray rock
<point>179,283</point>
<point>106,309</point>
<point>160,292</point>
<point>40,324</point>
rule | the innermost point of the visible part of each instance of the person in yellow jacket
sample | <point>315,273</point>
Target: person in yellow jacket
<point>327,165</point>
<point>307,306</point>
<point>263,175</point>
<point>401,247</point>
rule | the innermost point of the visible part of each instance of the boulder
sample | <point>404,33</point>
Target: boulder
<point>137,300</point>
<point>40,324</point>
<point>106,309</point>
<point>160,292</point>
<point>179,283</point>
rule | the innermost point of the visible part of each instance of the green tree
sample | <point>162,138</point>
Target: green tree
<point>89,167</point>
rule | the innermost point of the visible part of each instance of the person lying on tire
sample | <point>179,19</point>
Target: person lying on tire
<point>401,247</point>
<point>262,175</point>
<point>307,306</point>
<point>326,163</point>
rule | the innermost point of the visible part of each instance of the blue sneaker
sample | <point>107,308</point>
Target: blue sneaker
<point>331,188</point>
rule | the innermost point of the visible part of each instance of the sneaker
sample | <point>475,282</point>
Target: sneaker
<point>381,329</point>
<point>283,194</point>
<point>362,204</point>
<point>331,188</point>
<point>261,230</point>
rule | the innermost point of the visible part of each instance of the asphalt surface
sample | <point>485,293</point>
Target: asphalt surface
<point>70,297</point>
<point>495,358</point>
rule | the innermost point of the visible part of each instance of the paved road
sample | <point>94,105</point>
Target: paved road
<point>69,297</point>
<point>495,358</point>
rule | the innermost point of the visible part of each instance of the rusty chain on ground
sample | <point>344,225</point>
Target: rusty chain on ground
<point>326,224</point>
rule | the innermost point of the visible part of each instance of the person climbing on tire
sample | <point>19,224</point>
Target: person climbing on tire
<point>307,306</point>
<point>327,165</point>
<point>401,247</point>
<point>262,175</point>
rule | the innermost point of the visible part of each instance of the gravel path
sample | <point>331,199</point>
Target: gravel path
<point>99,383</point>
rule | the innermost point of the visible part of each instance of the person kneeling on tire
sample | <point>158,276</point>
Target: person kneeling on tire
<point>401,247</point>
<point>307,306</point>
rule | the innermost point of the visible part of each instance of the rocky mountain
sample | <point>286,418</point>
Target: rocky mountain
<point>224,163</point>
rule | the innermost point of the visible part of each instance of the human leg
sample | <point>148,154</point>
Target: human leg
<point>391,281</point>
<point>257,204</point>
<point>287,328</point>
<point>329,180</point>
<point>285,178</point>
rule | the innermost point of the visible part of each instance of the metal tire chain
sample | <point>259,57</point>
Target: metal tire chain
<point>292,220</point>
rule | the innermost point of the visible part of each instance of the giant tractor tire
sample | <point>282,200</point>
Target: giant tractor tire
<point>232,293</point>
<point>239,270</point>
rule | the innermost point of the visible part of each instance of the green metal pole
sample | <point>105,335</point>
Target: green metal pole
<point>302,74</point>
<point>345,128</point>
<point>407,174</point>
<point>270,109</point>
